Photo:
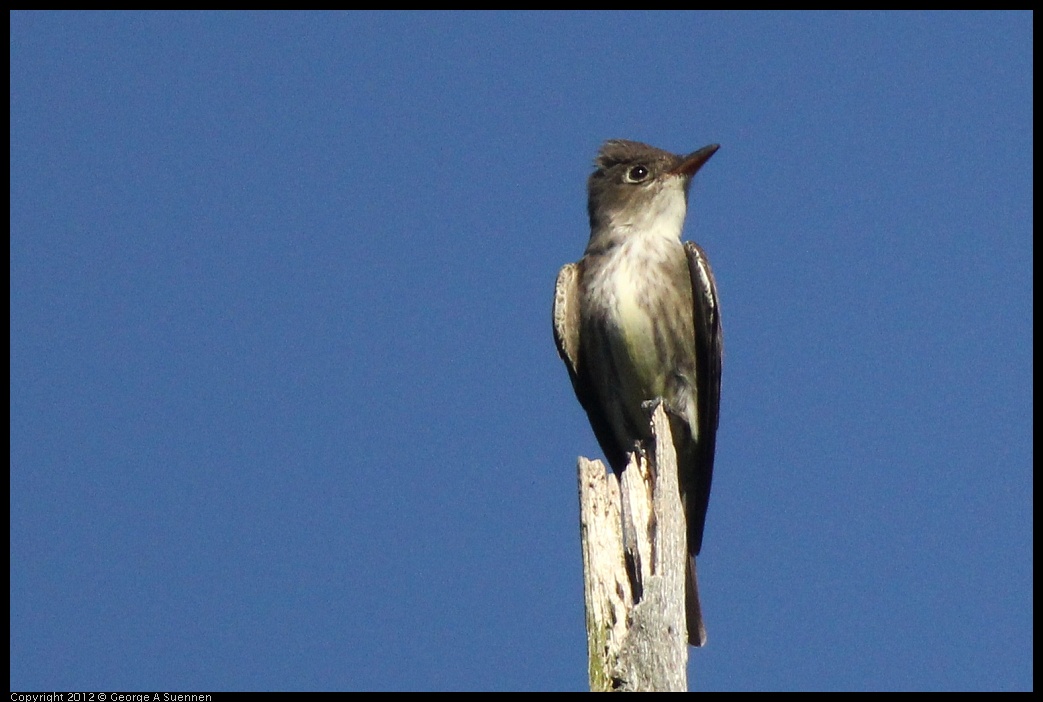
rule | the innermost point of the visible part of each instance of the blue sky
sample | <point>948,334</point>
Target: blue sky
<point>286,411</point>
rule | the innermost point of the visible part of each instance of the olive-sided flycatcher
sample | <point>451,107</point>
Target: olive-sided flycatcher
<point>636,320</point>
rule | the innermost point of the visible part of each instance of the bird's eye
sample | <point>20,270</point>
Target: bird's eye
<point>636,174</point>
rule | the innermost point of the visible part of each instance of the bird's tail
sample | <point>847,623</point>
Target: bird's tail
<point>693,610</point>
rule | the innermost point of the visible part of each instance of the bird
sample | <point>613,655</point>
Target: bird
<point>637,321</point>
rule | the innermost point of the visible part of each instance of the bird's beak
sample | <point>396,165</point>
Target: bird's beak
<point>695,160</point>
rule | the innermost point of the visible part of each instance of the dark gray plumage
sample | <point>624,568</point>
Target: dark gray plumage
<point>637,319</point>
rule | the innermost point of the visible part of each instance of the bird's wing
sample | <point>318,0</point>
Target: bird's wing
<point>708,350</point>
<point>566,317</point>
<point>567,337</point>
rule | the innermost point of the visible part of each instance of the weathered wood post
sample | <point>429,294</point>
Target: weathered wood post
<point>632,529</point>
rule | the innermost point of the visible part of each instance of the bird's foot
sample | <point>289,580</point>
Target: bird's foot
<point>650,405</point>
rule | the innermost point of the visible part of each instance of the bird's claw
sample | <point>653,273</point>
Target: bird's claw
<point>650,405</point>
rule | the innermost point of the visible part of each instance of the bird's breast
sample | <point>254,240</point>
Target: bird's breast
<point>634,295</point>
